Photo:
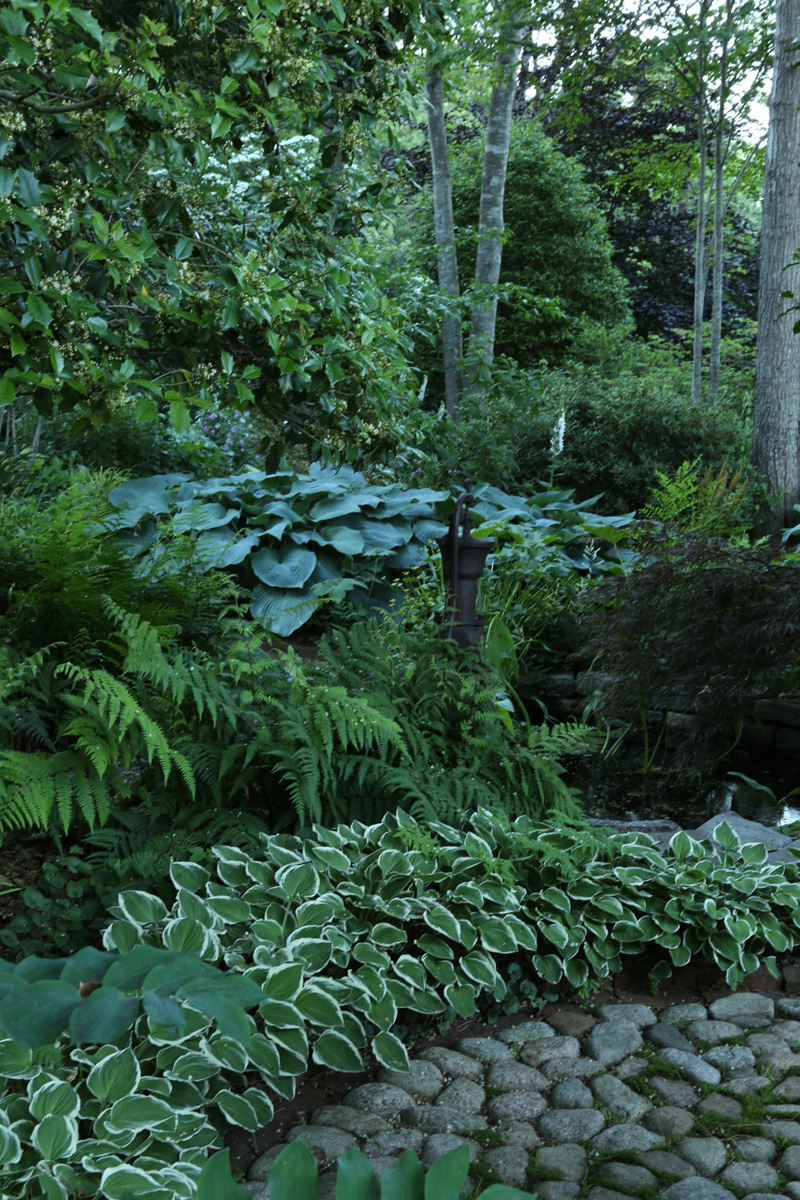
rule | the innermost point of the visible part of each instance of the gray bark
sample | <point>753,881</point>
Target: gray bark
<point>719,219</point>
<point>776,406</point>
<point>490,222</point>
<point>452,338</point>
<point>702,216</point>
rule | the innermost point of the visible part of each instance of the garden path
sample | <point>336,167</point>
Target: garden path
<point>694,1100</point>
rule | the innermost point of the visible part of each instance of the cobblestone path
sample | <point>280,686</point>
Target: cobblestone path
<point>695,1102</point>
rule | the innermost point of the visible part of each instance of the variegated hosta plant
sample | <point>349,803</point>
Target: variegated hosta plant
<point>313,948</point>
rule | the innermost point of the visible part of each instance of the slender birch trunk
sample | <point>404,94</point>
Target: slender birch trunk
<point>719,217</point>
<point>452,338</point>
<point>776,405</point>
<point>702,216</point>
<point>490,221</point>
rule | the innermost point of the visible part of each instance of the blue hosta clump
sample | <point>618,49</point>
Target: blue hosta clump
<point>123,1067</point>
<point>297,539</point>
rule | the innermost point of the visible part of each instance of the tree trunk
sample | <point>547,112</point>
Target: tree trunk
<point>490,223</point>
<point>776,405</point>
<point>700,228</point>
<point>452,340</point>
<point>719,219</point>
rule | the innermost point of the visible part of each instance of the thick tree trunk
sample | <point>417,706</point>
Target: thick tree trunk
<point>452,340</point>
<point>490,223</point>
<point>776,406</point>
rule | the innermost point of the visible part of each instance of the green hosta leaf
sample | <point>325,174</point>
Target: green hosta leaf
<point>166,1013</point>
<point>294,1174</point>
<point>39,1013</point>
<point>141,908</point>
<point>497,936</point>
<point>283,983</point>
<point>55,1137</point>
<point>384,934</point>
<point>298,879</point>
<point>224,548</point>
<point>626,931</point>
<point>434,945</point>
<point>334,1050</point>
<point>442,921</point>
<point>681,956</point>
<point>555,932</point>
<point>740,928</point>
<point>126,1183</point>
<point>114,1077</point>
<point>480,968</point>
<point>104,1016</point>
<point>725,946</point>
<point>199,516</point>
<point>237,1110</point>
<point>754,853</point>
<point>577,972</point>
<point>446,1176</point>
<point>133,1113</point>
<point>215,1181</point>
<point>188,875</point>
<point>404,1179</point>
<point>681,845</point>
<point>727,837</point>
<point>318,1008</point>
<point>462,998</point>
<point>548,966</point>
<point>347,541</point>
<point>287,567</point>
<point>390,1052</point>
<point>380,536</point>
<point>15,1061</point>
<point>186,934</point>
<point>10,1147</point>
<point>282,610</point>
<point>56,1098</point>
<point>557,899</point>
<point>355,1177</point>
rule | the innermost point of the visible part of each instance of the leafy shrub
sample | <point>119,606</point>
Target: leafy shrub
<point>325,940</point>
<point>298,539</point>
<point>701,623</point>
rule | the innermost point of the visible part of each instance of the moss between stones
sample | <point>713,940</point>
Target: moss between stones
<point>482,1174</point>
<point>488,1139</point>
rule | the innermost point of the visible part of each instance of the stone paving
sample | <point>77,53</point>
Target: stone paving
<point>695,1102</point>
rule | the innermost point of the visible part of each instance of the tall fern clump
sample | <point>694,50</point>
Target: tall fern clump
<point>384,718</point>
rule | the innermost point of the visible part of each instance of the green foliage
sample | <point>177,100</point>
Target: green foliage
<point>316,945</point>
<point>294,1177</point>
<point>298,539</point>
<point>171,230</point>
<point>619,432</point>
<point>557,277</point>
<point>703,623</point>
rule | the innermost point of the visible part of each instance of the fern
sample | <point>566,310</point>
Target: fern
<point>34,788</point>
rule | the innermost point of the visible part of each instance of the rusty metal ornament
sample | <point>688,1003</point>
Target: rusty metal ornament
<point>463,559</point>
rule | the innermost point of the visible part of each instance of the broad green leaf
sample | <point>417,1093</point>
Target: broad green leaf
<point>548,966</point>
<point>55,1137</point>
<point>384,934</point>
<point>404,1179</point>
<point>199,515</point>
<point>727,837</point>
<point>141,908</point>
<point>56,1098</point>
<point>15,1061</point>
<point>497,936</point>
<point>126,1183</point>
<point>41,1016</point>
<point>336,1051</point>
<point>318,1008</point>
<point>103,1016</point>
<point>237,1110</point>
<point>133,1113</point>
<point>215,1181</point>
<point>390,1052</point>
<point>115,1076</point>
<point>447,1174</point>
<point>283,982</point>
<point>10,1147</point>
<point>282,611</point>
<point>294,1174</point>
<point>287,567</point>
<point>355,1177</point>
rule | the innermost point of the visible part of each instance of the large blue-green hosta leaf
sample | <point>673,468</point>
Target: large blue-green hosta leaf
<point>224,548</point>
<point>198,516</point>
<point>346,541</point>
<point>287,567</point>
<point>380,537</point>
<point>282,610</point>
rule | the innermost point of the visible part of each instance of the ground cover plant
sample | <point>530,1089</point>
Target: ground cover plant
<point>123,1066</point>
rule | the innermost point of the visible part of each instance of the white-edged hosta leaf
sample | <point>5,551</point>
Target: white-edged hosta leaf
<point>55,1137</point>
<point>237,1110</point>
<point>390,1051</point>
<point>337,1052</point>
<point>10,1147</point>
